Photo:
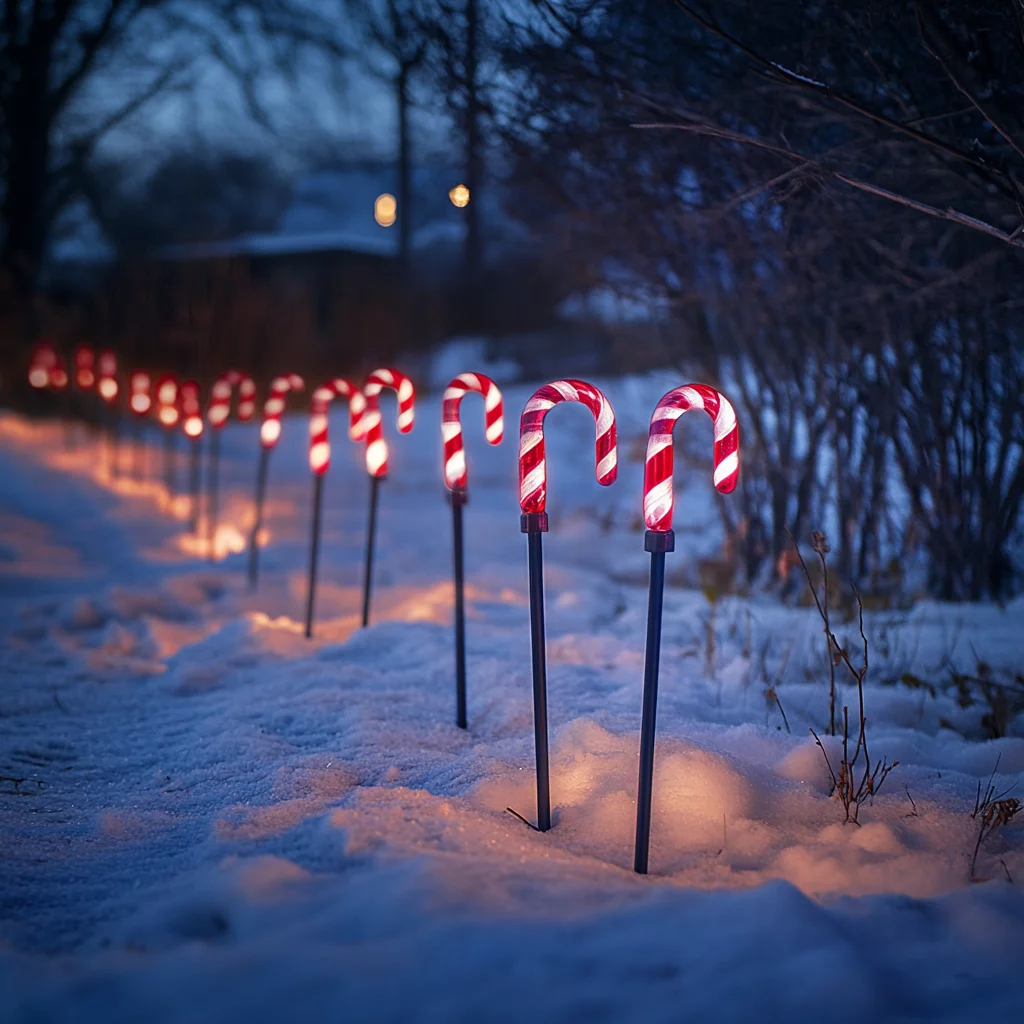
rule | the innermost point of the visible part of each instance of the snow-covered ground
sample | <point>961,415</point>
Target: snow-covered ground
<point>206,817</point>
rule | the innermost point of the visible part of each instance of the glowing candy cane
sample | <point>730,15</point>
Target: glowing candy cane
<point>658,501</point>
<point>456,480</point>
<point>658,496</point>
<point>370,426</point>
<point>455,474</point>
<point>85,361</point>
<point>167,400</point>
<point>534,523</point>
<point>319,445</point>
<point>532,461</point>
<point>273,407</point>
<point>44,366</point>
<point>320,459</point>
<point>106,372</point>
<point>220,398</point>
<point>139,400</point>
<point>191,410</point>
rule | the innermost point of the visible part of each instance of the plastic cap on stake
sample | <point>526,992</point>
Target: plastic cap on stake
<point>319,443</point>
<point>658,465</point>
<point>370,426</point>
<point>273,407</point>
<point>455,471</point>
<point>533,474</point>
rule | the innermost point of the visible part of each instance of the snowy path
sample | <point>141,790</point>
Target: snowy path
<point>220,820</point>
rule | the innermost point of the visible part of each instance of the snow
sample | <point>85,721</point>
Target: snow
<point>217,819</point>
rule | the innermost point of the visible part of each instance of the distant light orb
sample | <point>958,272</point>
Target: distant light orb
<point>107,388</point>
<point>459,196</point>
<point>385,209</point>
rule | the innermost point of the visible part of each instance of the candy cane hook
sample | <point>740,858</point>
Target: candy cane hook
<point>455,472</point>
<point>319,444</point>
<point>658,466</point>
<point>369,425</point>
<point>220,398</point>
<point>85,361</point>
<point>273,407</point>
<point>106,376</point>
<point>533,472</point>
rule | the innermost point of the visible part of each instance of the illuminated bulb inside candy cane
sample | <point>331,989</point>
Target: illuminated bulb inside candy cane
<point>273,407</point>
<point>658,465</point>
<point>319,444</point>
<point>167,400</point>
<point>455,472</point>
<point>533,471</point>
<point>42,364</point>
<point>369,424</point>
<point>139,399</point>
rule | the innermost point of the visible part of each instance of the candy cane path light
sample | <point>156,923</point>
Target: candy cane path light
<point>167,400</point>
<point>220,398</point>
<point>139,400</point>
<point>85,363</point>
<point>659,540</point>
<point>319,444</point>
<point>532,458</point>
<point>191,410</point>
<point>273,407</point>
<point>455,472</point>
<point>658,466</point>
<point>369,427</point>
<point>42,362</point>
<point>106,372</point>
<point>456,480</point>
<point>320,460</point>
<point>534,523</point>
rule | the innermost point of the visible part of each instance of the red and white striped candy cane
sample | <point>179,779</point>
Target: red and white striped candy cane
<point>42,363</point>
<point>85,362</point>
<point>532,462</point>
<point>167,400</point>
<point>455,474</point>
<point>220,398</point>
<point>106,376</point>
<point>139,400</point>
<point>319,445</point>
<point>369,425</point>
<point>658,495</point>
<point>273,407</point>
<point>191,410</point>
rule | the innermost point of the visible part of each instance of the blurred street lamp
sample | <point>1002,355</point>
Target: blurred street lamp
<point>384,209</point>
<point>459,196</point>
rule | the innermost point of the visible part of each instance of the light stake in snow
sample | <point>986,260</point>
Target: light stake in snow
<point>192,424</point>
<point>140,402</point>
<point>168,415</point>
<point>320,460</point>
<point>456,480</point>
<point>270,432</point>
<point>108,389</point>
<point>534,522</point>
<point>372,431</point>
<point>217,415</point>
<point>659,539</point>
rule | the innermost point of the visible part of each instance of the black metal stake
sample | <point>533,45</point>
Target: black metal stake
<point>314,549</point>
<point>657,544</point>
<point>370,534</point>
<point>261,490</point>
<point>212,488</point>
<point>194,483</point>
<point>534,524</point>
<point>458,498</point>
<point>137,448</point>
<point>170,460</point>
<point>115,443</point>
